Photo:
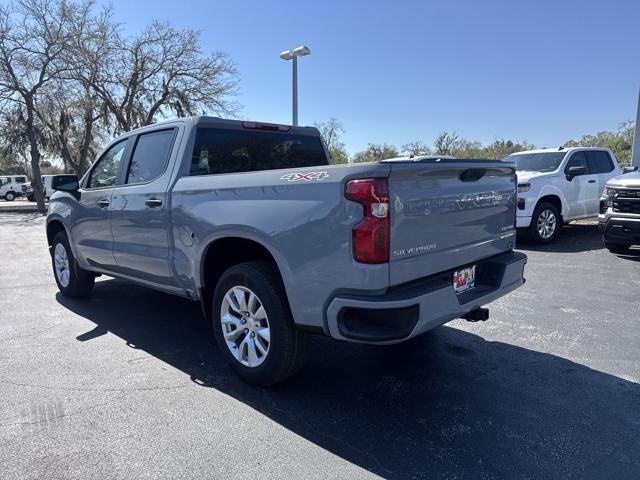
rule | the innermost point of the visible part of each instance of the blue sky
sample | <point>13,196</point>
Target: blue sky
<point>398,71</point>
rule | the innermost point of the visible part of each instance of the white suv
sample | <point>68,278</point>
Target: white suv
<point>556,186</point>
<point>11,186</point>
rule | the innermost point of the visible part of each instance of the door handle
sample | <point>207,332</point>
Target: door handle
<point>592,181</point>
<point>103,203</point>
<point>153,202</point>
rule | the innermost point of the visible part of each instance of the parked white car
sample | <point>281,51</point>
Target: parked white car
<point>556,186</point>
<point>11,186</point>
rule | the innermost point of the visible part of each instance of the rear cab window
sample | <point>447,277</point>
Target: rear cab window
<point>599,161</point>
<point>150,156</point>
<point>218,150</point>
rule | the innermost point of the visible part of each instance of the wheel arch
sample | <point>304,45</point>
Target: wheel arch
<point>55,226</point>
<point>221,254</point>
<point>554,200</point>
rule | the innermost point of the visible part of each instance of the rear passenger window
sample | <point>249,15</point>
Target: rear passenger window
<point>578,159</point>
<point>599,161</point>
<point>231,151</point>
<point>20,179</point>
<point>150,156</point>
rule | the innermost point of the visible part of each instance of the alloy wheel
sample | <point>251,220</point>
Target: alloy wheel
<point>61,263</point>
<point>546,224</point>
<point>245,326</point>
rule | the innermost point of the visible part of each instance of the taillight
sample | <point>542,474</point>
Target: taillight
<point>270,127</point>
<point>371,235</point>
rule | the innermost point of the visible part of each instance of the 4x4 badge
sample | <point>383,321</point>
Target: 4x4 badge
<point>307,176</point>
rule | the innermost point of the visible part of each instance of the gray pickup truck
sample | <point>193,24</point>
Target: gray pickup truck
<point>250,220</point>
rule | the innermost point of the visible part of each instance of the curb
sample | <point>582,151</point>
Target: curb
<point>28,209</point>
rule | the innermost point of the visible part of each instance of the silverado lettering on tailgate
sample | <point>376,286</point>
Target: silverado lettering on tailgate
<point>428,206</point>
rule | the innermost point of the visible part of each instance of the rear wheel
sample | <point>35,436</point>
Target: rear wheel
<point>31,198</point>
<point>72,280</point>
<point>618,248</point>
<point>545,223</point>
<point>253,325</point>
<point>9,196</point>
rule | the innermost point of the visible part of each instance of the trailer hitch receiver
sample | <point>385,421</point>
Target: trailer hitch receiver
<point>477,315</point>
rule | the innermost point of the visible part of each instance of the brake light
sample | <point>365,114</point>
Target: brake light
<point>270,127</point>
<point>371,235</point>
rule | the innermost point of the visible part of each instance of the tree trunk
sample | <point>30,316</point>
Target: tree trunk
<point>36,181</point>
<point>67,159</point>
<point>87,138</point>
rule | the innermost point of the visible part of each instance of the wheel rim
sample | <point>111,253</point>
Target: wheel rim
<point>245,326</point>
<point>61,264</point>
<point>546,224</point>
<point>9,196</point>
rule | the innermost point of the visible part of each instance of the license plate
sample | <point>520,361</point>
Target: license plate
<point>464,279</point>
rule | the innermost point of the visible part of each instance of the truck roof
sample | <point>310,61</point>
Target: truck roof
<point>561,149</point>
<point>207,121</point>
<point>419,158</point>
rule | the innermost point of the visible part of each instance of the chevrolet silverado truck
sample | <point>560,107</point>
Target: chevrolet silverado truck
<point>556,186</point>
<point>252,221</point>
<point>619,218</point>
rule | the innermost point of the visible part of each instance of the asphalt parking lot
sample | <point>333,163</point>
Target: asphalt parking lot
<point>129,385</point>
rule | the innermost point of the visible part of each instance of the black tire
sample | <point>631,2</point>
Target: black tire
<point>80,282</point>
<point>287,345</point>
<point>31,198</point>
<point>9,196</point>
<point>545,211</point>
<point>618,248</point>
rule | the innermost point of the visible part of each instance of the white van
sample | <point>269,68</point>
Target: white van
<point>11,186</point>
<point>47,188</point>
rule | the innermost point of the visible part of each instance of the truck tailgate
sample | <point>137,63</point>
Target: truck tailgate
<point>448,213</point>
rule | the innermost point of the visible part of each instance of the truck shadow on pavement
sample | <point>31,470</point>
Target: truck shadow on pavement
<point>633,255</point>
<point>572,238</point>
<point>449,404</point>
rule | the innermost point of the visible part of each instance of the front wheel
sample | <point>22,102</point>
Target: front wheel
<point>545,223</point>
<point>618,248</point>
<point>9,196</point>
<point>253,325</point>
<point>72,280</point>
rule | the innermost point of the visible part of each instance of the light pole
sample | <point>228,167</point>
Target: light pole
<point>293,55</point>
<point>635,151</point>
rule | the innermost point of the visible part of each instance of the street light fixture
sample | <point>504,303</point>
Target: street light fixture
<point>293,55</point>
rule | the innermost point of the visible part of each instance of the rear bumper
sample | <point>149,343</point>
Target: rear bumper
<point>620,230</point>
<point>414,308</point>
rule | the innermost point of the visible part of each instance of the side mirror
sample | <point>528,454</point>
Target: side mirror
<point>576,171</point>
<point>629,169</point>
<point>65,183</point>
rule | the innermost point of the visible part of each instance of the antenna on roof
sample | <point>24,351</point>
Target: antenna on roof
<point>561,147</point>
